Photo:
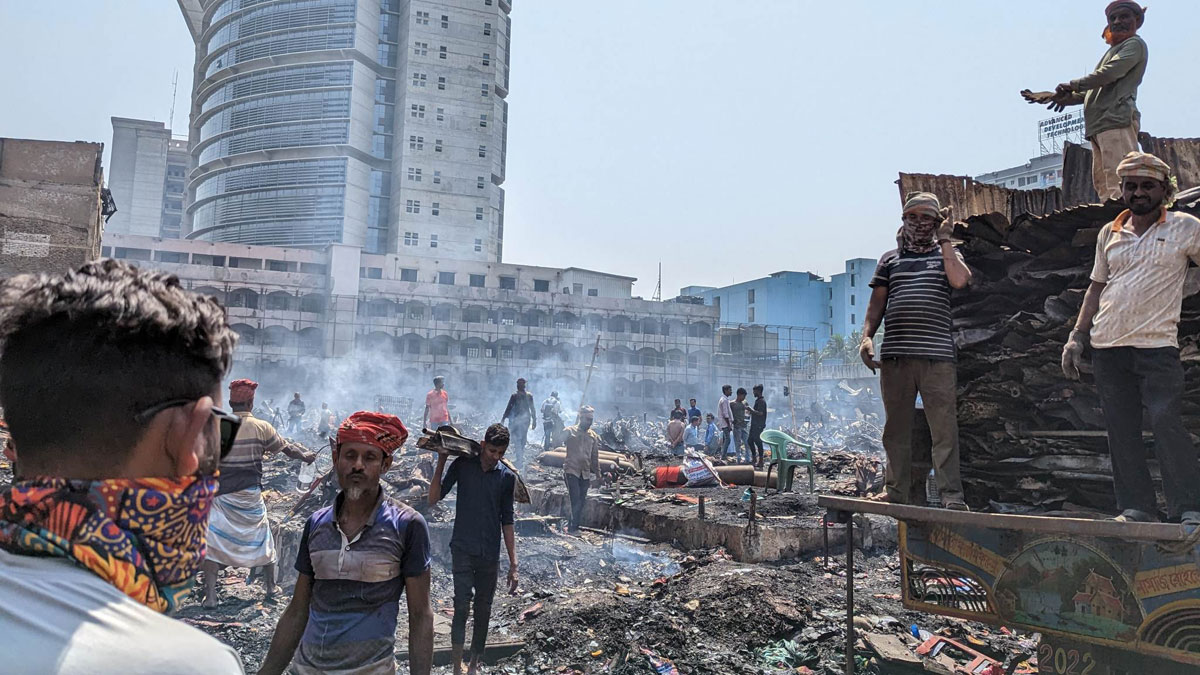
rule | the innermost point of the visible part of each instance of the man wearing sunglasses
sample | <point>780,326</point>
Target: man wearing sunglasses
<point>239,534</point>
<point>110,378</point>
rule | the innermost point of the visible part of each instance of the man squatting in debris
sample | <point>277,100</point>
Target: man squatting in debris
<point>911,292</point>
<point>518,414</point>
<point>437,405</point>
<point>110,379</point>
<point>356,558</point>
<point>483,514</point>
<point>1130,315</point>
<point>239,534</point>
<point>582,463</point>
<point>1109,96</point>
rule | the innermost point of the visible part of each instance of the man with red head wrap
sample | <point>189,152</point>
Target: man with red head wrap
<point>1108,95</point>
<point>239,534</point>
<point>356,558</point>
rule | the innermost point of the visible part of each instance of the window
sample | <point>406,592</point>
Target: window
<point>407,273</point>
<point>831,312</point>
<point>478,245</point>
<point>853,319</point>
<point>593,292</point>
<point>576,289</point>
<point>479,182</point>
<point>487,29</point>
<point>437,145</point>
<point>422,18</point>
<point>487,59</point>
<point>442,53</point>
<point>442,83</point>
<point>419,79</point>
<point>851,300</point>
<point>445,21</point>
<point>414,174</point>
<point>479,213</point>
<point>483,89</point>
<point>477,280</point>
<point>446,278</point>
<point>541,286</point>
<point>417,111</point>
<point>487,2</point>
<point>437,177</point>
<point>416,143</point>
<point>412,206</point>
<point>483,120</point>
<point>750,297</point>
<point>441,114</point>
<point>433,242</point>
<point>750,315</point>
<point>420,49</point>
<point>852,280</point>
<point>483,151</point>
<point>412,239</point>
<point>437,210</point>
<point>508,283</point>
<point>370,272</point>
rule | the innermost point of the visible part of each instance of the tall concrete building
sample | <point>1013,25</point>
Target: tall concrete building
<point>1039,172</point>
<point>372,123</point>
<point>147,174</point>
<point>849,293</point>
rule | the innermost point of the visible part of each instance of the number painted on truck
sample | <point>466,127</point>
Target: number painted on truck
<point>1059,661</point>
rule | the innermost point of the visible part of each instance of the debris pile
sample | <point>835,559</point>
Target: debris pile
<point>1030,437</point>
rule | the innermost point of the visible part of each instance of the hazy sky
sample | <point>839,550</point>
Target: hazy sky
<point>727,140</point>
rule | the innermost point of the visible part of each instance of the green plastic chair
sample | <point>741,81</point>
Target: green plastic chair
<point>778,441</point>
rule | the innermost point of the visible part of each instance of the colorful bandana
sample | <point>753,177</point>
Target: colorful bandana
<point>242,391</point>
<point>381,430</point>
<point>145,536</point>
<point>919,238</point>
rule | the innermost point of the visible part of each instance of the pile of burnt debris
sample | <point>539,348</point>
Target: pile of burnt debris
<point>1032,439</point>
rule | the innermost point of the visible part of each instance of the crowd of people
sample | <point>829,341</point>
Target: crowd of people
<point>736,428</point>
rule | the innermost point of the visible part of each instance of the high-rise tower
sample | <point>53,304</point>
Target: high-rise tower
<point>379,123</point>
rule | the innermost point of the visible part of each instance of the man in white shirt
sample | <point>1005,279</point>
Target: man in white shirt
<point>1130,315</point>
<point>725,418</point>
<point>110,378</point>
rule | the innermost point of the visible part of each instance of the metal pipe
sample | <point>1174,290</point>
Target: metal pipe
<point>701,507</point>
<point>825,537</point>
<point>849,594</point>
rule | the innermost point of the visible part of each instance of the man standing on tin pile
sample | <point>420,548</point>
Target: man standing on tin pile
<point>437,405</point>
<point>911,292</point>
<point>239,534</point>
<point>1109,96</point>
<point>582,464</point>
<point>483,513</point>
<point>1130,315</point>
<point>357,557</point>
<point>519,416</point>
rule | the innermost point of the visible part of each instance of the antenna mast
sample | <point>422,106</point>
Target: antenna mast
<point>174,91</point>
<point>658,289</point>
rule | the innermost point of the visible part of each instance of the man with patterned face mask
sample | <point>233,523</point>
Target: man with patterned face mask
<point>911,291</point>
<point>110,378</point>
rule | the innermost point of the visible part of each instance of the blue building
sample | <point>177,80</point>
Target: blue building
<point>796,299</point>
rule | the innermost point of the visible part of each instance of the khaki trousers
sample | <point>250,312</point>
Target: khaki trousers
<point>1108,149</point>
<point>937,381</point>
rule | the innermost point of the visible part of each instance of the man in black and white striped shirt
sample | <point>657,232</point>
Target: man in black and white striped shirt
<point>911,292</point>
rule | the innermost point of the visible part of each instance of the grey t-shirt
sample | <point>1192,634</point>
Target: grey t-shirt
<point>61,618</point>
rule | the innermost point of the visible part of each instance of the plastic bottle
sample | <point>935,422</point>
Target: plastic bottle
<point>307,473</point>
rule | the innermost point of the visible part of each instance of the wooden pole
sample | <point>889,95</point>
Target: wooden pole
<point>591,368</point>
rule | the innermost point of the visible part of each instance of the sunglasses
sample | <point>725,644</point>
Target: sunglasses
<point>229,422</point>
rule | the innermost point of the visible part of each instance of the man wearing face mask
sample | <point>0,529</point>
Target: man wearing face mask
<point>1109,95</point>
<point>482,514</point>
<point>911,292</point>
<point>582,464</point>
<point>356,558</point>
<point>110,378</point>
<point>1130,316</point>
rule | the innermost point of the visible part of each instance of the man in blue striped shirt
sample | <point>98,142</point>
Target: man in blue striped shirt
<point>911,293</point>
<point>356,558</point>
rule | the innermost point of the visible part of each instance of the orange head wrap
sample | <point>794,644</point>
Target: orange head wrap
<point>242,391</point>
<point>381,430</point>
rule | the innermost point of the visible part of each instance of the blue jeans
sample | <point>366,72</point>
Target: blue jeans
<point>740,447</point>
<point>518,432</point>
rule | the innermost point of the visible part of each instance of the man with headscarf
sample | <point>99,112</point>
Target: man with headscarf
<point>1109,96</point>
<point>110,378</point>
<point>356,558</point>
<point>239,534</point>
<point>911,292</point>
<point>1130,315</point>
<point>582,464</point>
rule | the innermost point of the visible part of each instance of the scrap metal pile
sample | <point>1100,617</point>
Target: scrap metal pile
<point>1029,436</point>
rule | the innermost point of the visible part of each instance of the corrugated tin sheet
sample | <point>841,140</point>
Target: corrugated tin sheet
<point>970,197</point>
<point>1183,154</point>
